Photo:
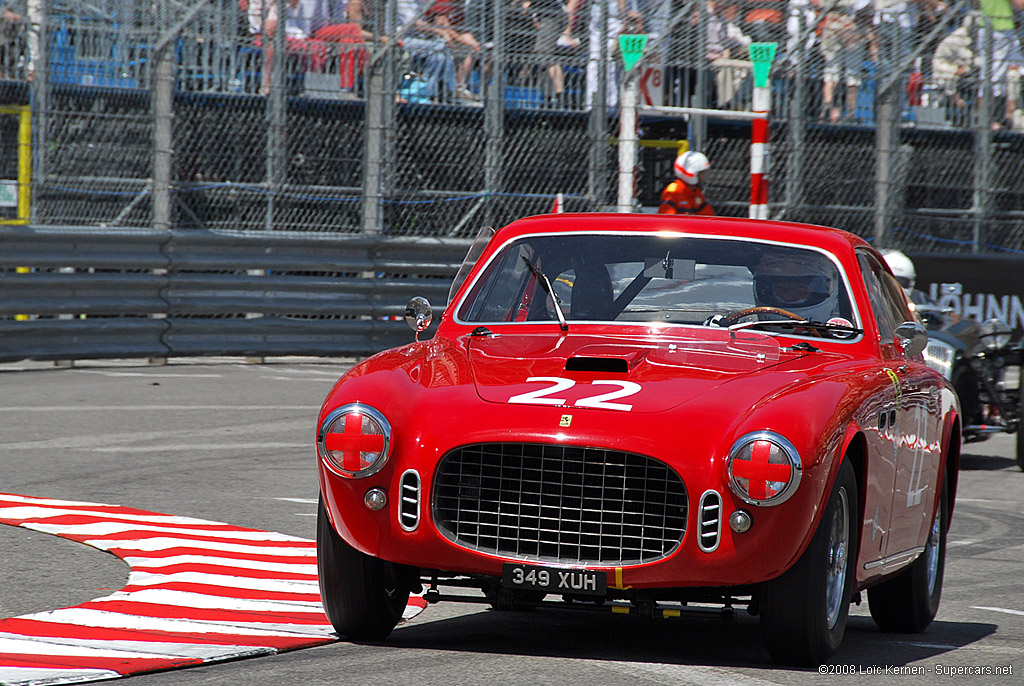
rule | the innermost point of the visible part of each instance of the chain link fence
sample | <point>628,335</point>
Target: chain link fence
<point>899,121</point>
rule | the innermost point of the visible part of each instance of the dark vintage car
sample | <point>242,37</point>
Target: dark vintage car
<point>982,363</point>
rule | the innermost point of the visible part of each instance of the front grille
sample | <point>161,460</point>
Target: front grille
<point>559,503</point>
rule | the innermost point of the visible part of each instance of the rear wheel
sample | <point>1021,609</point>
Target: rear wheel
<point>364,597</point>
<point>804,611</point>
<point>907,603</point>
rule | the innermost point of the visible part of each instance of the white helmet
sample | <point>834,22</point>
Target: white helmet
<point>689,165</point>
<point>902,268</point>
<point>805,285</point>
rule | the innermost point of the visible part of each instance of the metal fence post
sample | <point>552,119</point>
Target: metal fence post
<point>796,129</point>
<point>494,118</point>
<point>276,135</point>
<point>38,11</point>
<point>982,196</point>
<point>598,133</point>
<point>378,125</point>
<point>163,115</point>
<point>884,138</point>
<point>698,122</point>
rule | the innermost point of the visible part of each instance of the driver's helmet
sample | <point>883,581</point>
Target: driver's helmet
<point>802,284</point>
<point>902,268</point>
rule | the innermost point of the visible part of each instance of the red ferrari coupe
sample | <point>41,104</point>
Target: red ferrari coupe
<point>648,414</point>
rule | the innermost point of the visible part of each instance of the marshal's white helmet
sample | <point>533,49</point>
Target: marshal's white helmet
<point>689,165</point>
<point>806,285</point>
<point>902,268</point>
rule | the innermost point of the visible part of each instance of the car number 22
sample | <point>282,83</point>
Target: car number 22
<point>542,396</point>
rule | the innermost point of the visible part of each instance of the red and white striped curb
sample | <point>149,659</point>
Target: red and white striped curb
<point>198,592</point>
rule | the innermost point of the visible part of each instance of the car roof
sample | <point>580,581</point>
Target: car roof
<point>836,241</point>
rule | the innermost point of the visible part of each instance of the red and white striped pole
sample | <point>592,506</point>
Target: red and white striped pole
<point>761,54</point>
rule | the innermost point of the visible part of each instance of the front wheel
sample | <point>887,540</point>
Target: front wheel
<point>804,611</point>
<point>364,597</point>
<point>908,602</point>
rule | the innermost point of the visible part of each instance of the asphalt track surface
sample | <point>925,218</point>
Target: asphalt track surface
<point>231,441</point>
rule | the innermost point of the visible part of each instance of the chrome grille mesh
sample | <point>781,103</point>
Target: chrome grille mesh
<point>559,503</point>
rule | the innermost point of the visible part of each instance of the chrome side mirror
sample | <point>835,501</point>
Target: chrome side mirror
<point>418,314</point>
<point>912,338</point>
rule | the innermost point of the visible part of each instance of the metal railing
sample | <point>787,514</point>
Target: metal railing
<point>69,294</point>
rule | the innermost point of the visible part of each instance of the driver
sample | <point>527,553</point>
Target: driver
<point>802,284</point>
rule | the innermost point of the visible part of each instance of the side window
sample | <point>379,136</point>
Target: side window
<point>896,297</point>
<point>887,297</point>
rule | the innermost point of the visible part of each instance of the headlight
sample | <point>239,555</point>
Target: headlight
<point>995,334</point>
<point>764,468</point>
<point>354,441</point>
<point>939,355</point>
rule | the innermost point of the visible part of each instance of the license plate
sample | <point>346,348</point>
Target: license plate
<point>554,579</point>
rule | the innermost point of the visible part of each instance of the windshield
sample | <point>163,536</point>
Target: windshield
<point>689,280</point>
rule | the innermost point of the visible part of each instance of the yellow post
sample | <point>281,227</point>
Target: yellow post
<point>24,114</point>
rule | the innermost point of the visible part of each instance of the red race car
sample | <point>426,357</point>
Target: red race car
<point>648,414</point>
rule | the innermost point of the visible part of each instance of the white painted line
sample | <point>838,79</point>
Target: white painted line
<point>101,619</point>
<point>56,409</point>
<point>18,512</point>
<point>30,646</point>
<point>100,529</point>
<point>163,543</point>
<point>304,501</point>
<point>999,609</point>
<point>151,375</point>
<point>180,447</point>
<point>685,674</point>
<point>229,562</point>
<point>212,602</point>
<point>226,580</point>
<point>31,676</point>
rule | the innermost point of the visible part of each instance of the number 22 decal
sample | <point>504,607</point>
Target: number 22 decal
<point>541,396</point>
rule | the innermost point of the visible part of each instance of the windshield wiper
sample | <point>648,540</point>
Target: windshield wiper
<point>841,329</point>
<point>546,284</point>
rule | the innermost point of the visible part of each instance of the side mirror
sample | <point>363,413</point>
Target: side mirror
<point>418,314</point>
<point>912,338</point>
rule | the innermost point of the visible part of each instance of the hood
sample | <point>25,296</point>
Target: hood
<point>638,374</point>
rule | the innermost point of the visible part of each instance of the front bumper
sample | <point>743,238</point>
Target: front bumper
<point>439,541</point>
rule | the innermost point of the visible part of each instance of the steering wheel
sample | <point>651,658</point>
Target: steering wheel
<point>736,316</point>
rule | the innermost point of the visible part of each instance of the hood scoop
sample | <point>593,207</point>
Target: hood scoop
<point>611,365</point>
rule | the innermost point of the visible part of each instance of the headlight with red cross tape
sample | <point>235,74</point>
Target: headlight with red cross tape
<point>764,468</point>
<point>354,441</point>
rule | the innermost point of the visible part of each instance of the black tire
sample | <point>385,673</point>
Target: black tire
<point>1020,450</point>
<point>907,603</point>
<point>965,383</point>
<point>804,611</point>
<point>364,597</point>
<point>1020,429</point>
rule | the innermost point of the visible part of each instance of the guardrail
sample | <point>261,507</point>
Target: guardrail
<point>86,293</point>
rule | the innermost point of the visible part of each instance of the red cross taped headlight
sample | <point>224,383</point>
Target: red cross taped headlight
<point>764,468</point>
<point>354,441</point>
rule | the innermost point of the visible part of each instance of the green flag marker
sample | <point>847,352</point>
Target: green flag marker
<point>632,45</point>
<point>762,54</point>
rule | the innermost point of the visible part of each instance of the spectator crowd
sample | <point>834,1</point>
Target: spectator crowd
<point>556,53</point>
